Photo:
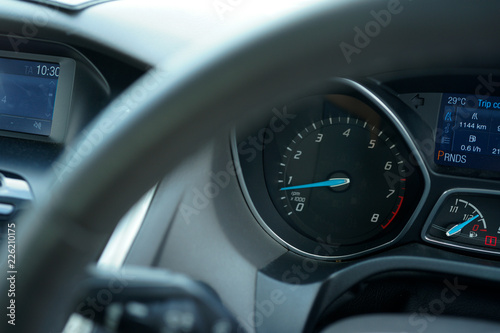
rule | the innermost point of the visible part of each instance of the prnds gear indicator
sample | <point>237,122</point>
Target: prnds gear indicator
<point>468,132</point>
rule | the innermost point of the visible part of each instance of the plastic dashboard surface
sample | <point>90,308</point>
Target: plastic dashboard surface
<point>48,93</point>
<point>359,166</point>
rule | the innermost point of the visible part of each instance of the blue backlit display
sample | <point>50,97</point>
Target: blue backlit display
<point>27,95</point>
<point>468,133</point>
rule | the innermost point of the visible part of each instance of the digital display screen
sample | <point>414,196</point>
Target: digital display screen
<point>27,95</point>
<point>468,132</point>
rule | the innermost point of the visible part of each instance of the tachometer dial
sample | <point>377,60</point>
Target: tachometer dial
<point>340,178</point>
<point>337,176</point>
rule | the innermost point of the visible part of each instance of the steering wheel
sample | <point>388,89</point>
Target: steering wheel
<point>169,113</point>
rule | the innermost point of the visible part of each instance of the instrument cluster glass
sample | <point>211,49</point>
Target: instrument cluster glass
<point>339,178</point>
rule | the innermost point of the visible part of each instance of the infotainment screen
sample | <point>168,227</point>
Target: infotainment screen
<point>27,95</point>
<point>35,95</point>
<point>468,133</point>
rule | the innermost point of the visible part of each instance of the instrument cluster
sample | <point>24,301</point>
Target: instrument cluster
<point>340,174</point>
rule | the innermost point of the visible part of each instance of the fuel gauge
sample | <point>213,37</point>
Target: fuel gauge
<point>466,219</point>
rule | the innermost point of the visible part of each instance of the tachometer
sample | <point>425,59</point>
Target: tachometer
<point>340,177</point>
<point>335,179</point>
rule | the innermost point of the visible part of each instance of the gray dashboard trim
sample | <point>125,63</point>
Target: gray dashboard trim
<point>115,252</point>
<point>74,5</point>
<point>15,188</point>
<point>123,237</point>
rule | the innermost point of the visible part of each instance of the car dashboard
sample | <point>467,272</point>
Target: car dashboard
<point>362,194</point>
<point>50,91</point>
<point>331,174</point>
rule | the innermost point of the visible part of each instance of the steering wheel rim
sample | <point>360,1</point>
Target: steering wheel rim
<point>128,142</point>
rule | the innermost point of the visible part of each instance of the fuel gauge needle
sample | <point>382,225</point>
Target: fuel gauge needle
<point>334,182</point>
<point>456,229</point>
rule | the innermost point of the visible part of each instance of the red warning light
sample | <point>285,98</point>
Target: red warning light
<point>490,241</point>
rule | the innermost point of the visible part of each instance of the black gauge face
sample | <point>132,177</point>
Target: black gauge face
<point>341,179</point>
<point>335,178</point>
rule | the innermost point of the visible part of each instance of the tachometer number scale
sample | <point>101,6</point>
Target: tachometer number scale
<point>342,178</point>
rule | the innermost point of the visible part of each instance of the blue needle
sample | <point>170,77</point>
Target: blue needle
<point>334,182</point>
<point>456,229</point>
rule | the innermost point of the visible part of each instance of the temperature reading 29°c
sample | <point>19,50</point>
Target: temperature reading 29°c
<point>457,100</point>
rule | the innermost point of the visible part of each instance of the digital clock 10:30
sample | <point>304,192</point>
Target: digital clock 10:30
<point>49,71</point>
